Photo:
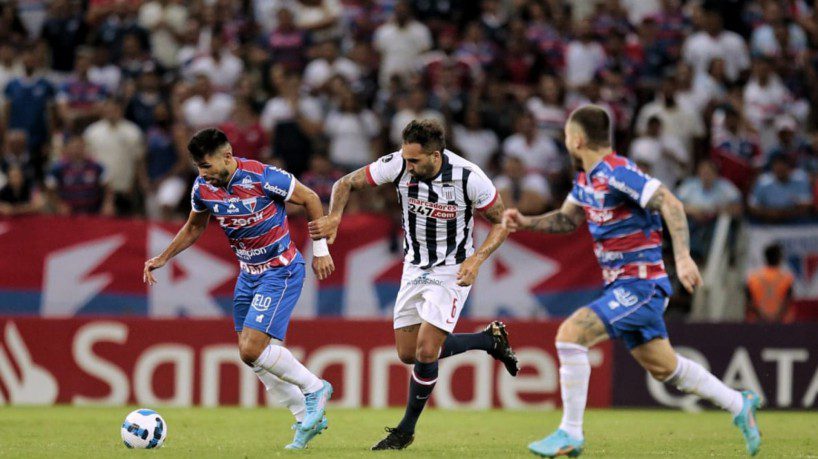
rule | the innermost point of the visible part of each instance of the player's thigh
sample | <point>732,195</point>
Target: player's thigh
<point>242,298</point>
<point>406,339</point>
<point>583,327</point>
<point>657,357</point>
<point>274,300</point>
<point>430,340</point>
<point>443,299</point>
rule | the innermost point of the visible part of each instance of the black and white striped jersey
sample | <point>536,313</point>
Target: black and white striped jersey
<point>438,214</point>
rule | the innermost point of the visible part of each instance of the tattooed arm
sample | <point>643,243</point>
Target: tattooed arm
<point>563,220</point>
<point>673,213</point>
<point>327,226</point>
<point>498,234</point>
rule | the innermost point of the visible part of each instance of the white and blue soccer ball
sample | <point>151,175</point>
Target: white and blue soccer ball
<point>144,429</point>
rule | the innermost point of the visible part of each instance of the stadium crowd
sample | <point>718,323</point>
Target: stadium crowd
<point>712,97</point>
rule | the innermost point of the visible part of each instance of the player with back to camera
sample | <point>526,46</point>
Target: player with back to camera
<point>438,192</point>
<point>247,198</point>
<point>624,209</point>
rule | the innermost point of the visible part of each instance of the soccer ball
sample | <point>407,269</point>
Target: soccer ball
<point>144,428</point>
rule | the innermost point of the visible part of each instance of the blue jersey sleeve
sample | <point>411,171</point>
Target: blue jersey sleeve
<point>278,184</point>
<point>195,201</point>
<point>633,183</point>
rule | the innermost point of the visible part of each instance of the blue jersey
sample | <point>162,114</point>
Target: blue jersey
<point>627,236</point>
<point>250,210</point>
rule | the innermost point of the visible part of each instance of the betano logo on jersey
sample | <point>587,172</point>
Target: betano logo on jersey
<point>432,209</point>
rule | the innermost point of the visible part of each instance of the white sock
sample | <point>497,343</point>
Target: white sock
<point>283,393</point>
<point>692,378</point>
<point>575,371</point>
<point>280,362</point>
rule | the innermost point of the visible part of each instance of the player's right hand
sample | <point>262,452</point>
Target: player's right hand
<point>150,265</point>
<point>513,220</point>
<point>323,266</point>
<point>324,227</point>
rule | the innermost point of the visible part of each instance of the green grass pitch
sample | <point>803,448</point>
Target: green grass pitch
<point>58,432</point>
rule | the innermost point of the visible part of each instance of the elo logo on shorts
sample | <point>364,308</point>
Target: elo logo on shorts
<point>625,297</point>
<point>261,302</point>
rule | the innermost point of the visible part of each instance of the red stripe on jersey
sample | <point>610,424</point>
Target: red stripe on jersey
<point>264,240</point>
<point>491,203</point>
<point>607,216</point>
<point>251,165</point>
<point>369,177</point>
<point>635,271</point>
<point>284,259</point>
<point>208,194</point>
<point>615,160</point>
<point>631,242</point>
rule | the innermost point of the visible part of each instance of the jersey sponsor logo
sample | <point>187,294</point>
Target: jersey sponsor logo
<point>246,183</point>
<point>215,208</point>
<point>232,209</point>
<point>624,187</point>
<point>424,279</point>
<point>588,195</point>
<point>388,158</point>
<point>599,216</point>
<point>247,254</point>
<point>432,209</point>
<point>238,222</point>
<point>625,296</point>
<point>606,256</point>
<point>261,302</point>
<point>275,190</point>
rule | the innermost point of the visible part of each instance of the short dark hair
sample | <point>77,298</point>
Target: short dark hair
<point>773,255</point>
<point>595,123</point>
<point>206,142</point>
<point>428,133</point>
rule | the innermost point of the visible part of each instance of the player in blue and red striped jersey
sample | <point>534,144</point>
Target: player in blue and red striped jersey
<point>247,199</point>
<point>624,210</point>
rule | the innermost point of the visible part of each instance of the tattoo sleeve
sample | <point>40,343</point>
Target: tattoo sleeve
<point>563,220</point>
<point>355,180</point>
<point>498,234</point>
<point>673,213</point>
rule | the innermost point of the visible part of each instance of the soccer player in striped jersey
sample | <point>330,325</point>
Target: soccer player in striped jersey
<point>439,193</point>
<point>247,199</point>
<point>624,210</point>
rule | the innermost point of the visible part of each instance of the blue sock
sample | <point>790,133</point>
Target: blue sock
<point>424,377</point>
<point>462,342</point>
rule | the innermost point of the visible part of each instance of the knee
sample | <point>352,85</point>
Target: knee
<point>660,372</point>
<point>426,352</point>
<point>567,333</point>
<point>249,352</point>
<point>406,356</point>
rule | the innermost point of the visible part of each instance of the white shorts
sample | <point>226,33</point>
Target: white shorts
<point>430,295</point>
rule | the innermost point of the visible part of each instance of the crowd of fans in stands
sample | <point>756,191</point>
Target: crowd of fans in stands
<point>99,97</point>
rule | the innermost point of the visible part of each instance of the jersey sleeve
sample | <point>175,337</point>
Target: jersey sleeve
<point>196,203</point>
<point>481,191</point>
<point>634,184</point>
<point>385,169</point>
<point>278,184</point>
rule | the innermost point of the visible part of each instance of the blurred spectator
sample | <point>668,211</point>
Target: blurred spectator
<point>678,120</point>
<point>735,150</point>
<point>660,155</point>
<point>243,129</point>
<point>18,195</point>
<point>352,131</point>
<point>119,22</point>
<point>764,39</point>
<point>712,42</point>
<point>293,121</point>
<point>118,145</point>
<point>15,154</point>
<point>792,145</point>
<point>166,168</point>
<point>783,195</point>
<point>583,56</point>
<point>29,105</point>
<point>414,106</point>
<point>321,18</point>
<point>400,41</point>
<point>64,31</point>
<point>705,196</point>
<point>548,107</point>
<point>205,107</point>
<point>538,152</point>
<point>104,72</point>
<point>327,64</point>
<point>165,21</point>
<point>769,290</point>
<point>148,96</point>
<point>79,100</point>
<point>474,46</point>
<point>134,60</point>
<point>527,191</point>
<point>77,184</point>
<point>321,176</point>
<point>474,140</point>
<point>220,65</point>
<point>10,66</point>
<point>286,42</point>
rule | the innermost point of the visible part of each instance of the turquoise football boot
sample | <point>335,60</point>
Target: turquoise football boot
<point>316,405</point>
<point>746,421</point>
<point>558,443</point>
<point>302,437</point>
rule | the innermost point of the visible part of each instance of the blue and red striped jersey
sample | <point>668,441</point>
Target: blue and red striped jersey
<point>250,210</point>
<point>627,236</point>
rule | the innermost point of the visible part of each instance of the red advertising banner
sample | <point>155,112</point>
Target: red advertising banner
<point>187,362</point>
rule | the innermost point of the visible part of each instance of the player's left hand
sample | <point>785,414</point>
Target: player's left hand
<point>468,272</point>
<point>324,227</point>
<point>323,266</point>
<point>688,273</point>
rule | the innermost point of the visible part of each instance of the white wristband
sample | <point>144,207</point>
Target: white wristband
<point>320,248</point>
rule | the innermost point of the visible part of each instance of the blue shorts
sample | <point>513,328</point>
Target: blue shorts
<point>633,311</point>
<point>266,301</point>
